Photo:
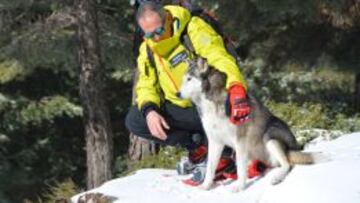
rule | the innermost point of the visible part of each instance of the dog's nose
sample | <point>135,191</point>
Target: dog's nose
<point>178,94</point>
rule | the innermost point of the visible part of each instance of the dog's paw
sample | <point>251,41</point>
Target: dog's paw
<point>276,180</point>
<point>205,186</point>
<point>279,176</point>
<point>238,187</point>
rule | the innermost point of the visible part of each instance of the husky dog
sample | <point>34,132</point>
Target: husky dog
<point>264,137</point>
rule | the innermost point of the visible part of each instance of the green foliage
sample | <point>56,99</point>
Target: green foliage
<point>308,120</point>
<point>4,101</point>
<point>305,116</point>
<point>324,85</point>
<point>64,190</point>
<point>300,31</point>
<point>346,123</point>
<point>36,47</point>
<point>11,70</point>
<point>18,113</point>
<point>8,4</point>
<point>125,75</point>
<point>48,109</point>
<point>41,127</point>
<point>166,158</point>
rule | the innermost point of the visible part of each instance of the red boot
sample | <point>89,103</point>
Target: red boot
<point>198,155</point>
<point>225,169</point>
<point>256,168</point>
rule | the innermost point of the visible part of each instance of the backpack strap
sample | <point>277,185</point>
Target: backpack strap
<point>151,58</point>
<point>186,41</point>
<point>231,49</point>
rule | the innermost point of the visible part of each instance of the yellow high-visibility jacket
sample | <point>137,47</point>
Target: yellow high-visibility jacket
<point>169,71</point>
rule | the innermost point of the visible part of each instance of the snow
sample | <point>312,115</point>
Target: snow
<point>334,181</point>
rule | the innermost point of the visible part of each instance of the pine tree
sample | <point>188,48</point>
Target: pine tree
<point>98,132</point>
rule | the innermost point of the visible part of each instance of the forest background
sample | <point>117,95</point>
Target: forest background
<point>301,57</point>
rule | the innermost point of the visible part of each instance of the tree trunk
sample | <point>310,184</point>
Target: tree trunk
<point>357,92</point>
<point>139,147</point>
<point>98,134</point>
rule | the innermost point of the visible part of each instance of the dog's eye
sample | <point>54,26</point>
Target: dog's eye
<point>188,79</point>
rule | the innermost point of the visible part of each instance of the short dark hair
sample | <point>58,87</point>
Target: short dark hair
<point>150,6</point>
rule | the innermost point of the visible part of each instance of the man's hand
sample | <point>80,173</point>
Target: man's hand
<point>238,104</point>
<point>156,124</point>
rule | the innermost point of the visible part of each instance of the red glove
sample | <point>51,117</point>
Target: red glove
<point>238,104</point>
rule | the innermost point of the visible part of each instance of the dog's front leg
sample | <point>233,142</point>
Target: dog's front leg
<point>241,166</point>
<point>215,150</point>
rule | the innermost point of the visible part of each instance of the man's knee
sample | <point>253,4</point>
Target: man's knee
<point>136,124</point>
<point>134,121</point>
<point>128,120</point>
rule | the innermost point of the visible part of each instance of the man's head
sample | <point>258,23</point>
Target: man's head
<point>154,21</point>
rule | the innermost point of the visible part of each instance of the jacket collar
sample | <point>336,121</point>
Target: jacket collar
<point>181,17</point>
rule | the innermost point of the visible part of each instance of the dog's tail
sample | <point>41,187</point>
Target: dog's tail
<point>303,158</point>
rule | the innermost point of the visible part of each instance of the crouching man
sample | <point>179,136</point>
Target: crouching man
<point>160,115</point>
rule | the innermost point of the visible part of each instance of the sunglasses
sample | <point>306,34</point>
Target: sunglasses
<point>159,32</point>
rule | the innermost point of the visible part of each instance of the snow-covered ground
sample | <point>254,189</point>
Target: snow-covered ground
<point>330,182</point>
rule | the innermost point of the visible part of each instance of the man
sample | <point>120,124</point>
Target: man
<point>160,115</point>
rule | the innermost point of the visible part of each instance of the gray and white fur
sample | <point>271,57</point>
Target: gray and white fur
<point>265,137</point>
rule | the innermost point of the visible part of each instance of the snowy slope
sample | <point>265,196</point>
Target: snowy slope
<point>330,182</point>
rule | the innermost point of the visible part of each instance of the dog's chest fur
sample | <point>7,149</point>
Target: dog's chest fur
<point>216,123</point>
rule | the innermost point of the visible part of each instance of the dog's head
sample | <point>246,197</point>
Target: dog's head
<point>201,79</point>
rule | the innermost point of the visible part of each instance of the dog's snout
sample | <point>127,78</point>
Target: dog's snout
<point>178,94</point>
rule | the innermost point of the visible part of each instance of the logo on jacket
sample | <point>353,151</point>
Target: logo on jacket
<point>178,58</point>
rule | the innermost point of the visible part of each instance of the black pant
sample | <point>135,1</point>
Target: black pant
<point>185,127</point>
<point>183,122</point>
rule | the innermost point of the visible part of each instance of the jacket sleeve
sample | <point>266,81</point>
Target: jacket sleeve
<point>208,44</point>
<point>147,91</point>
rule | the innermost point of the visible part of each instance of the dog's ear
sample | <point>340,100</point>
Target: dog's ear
<point>202,65</point>
<point>192,65</point>
<point>203,68</point>
<point>188,61</point>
